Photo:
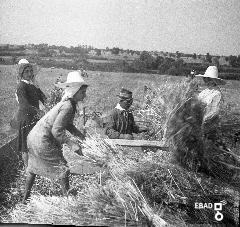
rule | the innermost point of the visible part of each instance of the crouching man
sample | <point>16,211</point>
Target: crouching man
<point>120,123</point>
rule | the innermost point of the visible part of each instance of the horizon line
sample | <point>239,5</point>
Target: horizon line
<point>68,46</point>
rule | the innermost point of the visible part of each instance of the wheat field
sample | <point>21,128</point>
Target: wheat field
<point>102,97</point>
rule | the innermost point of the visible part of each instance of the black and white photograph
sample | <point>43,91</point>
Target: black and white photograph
<point>120,112</point>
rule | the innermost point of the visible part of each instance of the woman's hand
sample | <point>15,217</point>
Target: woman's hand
<point>82,134</point>
<point>75,147</point>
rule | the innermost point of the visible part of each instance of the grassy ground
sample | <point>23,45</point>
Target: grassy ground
<point>101,94</point>
<point>101,97</point>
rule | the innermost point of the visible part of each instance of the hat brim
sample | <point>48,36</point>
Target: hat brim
<point>124,97</point>
<point>73,84</point>
<point>218,81</point>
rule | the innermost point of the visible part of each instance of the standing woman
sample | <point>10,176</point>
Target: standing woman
<point>211,97</point>
<point>49,134</point>
<point>28,97</point>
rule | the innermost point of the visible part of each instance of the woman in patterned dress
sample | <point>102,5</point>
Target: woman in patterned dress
<point>47,137</point>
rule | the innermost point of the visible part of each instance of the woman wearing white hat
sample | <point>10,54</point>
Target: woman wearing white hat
<point>211,97</point>
<point>47,137</point>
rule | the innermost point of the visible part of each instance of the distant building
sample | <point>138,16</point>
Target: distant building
<point>92,52</point>
<point>29,46</point>
<point>106,53</point>
<point>135,55</point>
<point>222,61</point>
<point>192,60</point>
<point>124,54</point>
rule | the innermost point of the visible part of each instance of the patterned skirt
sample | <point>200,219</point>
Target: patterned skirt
<point>45,156</point>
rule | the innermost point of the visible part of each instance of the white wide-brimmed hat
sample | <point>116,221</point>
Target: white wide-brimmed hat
<point>74,79</point>
<point>212,72</point>
<point>35,67</point>
<point>23,61</point>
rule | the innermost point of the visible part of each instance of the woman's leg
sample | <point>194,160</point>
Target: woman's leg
<point>64,182</point>
<point>25,159</point>
<point>28,186</point>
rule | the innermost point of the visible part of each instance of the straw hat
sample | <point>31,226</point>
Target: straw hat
<point>74,79</point>
<point>23,61</point>
<point>212,73</point>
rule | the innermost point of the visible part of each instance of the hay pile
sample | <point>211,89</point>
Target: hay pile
<point>186,136</point>
<point>116,200</point>
<point>182,129</point>
<point>173,188</point>
<point>166,190</point>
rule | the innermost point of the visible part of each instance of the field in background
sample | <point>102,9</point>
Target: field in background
<point>104,86</point>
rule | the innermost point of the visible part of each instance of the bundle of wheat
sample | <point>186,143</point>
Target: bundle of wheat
<point>163,182</point>
<point>117,160</point>
<point>116,200</point>
<point>193,150</point>
<point>158,103</point>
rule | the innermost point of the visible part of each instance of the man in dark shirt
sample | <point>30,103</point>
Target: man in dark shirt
<point>120,123</point>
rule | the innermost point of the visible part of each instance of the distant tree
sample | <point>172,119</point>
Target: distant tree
<point>215,61</point>
<point>158,61</point>
<point>165,65</point>
<point>208,57</point>
<point>147,58</point>
<point>194,56</point>
<point>176,68</point>
<point>233,61</point>
<point>138,65</point>
<point>115,50</point>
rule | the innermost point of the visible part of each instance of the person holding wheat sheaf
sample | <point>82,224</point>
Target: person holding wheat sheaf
<point>47,137</point>
<point>211,97</point>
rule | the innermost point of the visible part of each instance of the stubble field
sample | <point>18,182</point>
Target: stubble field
<point>101,97</point>
<point>104,86</point>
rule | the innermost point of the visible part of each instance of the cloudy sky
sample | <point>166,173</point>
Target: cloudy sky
<point>187,26</point>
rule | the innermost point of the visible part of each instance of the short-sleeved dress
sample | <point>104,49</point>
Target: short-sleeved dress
<point>28,96</point>
<point>212,100</point>
<point>46,138</point>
